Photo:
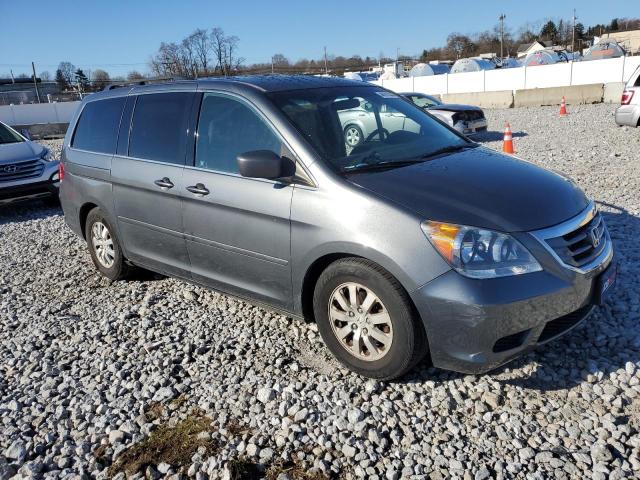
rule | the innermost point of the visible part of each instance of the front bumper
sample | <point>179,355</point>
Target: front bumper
<point>45,185</point>
<point>473,127</point>
<point>628,115</point>
<point>474,326</point>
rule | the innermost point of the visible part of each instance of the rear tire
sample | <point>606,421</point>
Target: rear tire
<point>385,338</point>
<point>104,246</point>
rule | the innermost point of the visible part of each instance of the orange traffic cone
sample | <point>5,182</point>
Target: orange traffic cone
<point>563,108</point>
<point>507,144</point>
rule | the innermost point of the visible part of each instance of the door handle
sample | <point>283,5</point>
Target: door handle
<point>164,183</point>
<point>198,189</point>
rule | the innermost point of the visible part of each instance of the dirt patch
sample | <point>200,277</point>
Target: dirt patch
<point>243,469</point>
<point>174,445</point>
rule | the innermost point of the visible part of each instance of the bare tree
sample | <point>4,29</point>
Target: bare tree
<point>460,45</point>
<point>219,48</point>
<point>45,76</point>
<point>234,61</point>
<point>134,76</point>
<point>67,70</point>
<point>100,77</point>
<point>168,61</point>
<point>201,45</point>
<point>225,51</point>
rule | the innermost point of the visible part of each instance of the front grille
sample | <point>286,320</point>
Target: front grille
<point>580,246</point>
<point>562,324</point>
<point>21,170</point>
<point>468,116</point>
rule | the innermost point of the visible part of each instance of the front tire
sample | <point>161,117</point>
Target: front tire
<point>104,246</point>
<point>366,319</point>
<point>353,136</point>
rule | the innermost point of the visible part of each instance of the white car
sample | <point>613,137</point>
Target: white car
<point>466,119</point>
<point>359,123</point>
<point>628,113</point>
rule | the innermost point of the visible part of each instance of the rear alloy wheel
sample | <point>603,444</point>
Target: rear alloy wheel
<point>104,246</point>
<point>366,319</point>
<point>353,136</point>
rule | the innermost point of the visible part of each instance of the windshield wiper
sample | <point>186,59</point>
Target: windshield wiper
<point>360,167</point>
<point>449,149</point>
<point>366,165</point>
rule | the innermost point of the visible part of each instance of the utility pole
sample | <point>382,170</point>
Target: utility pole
<point>326,70</point>
<point>501,18</point>
<point>272,71</point>
<point>35,81</point>
<point>573,33</point>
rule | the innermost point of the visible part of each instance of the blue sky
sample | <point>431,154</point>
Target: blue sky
<point>120,36</point>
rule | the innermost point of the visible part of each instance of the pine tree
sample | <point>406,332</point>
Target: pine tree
<point>81,80</point>
<point>61,81</point>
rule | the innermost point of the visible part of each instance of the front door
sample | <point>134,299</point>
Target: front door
<point>237,229</point>
<point>147,181</point>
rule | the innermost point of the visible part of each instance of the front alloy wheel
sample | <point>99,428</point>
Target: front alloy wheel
<point>353,136</point>
<point>367,320</point>
<point>360,321</point>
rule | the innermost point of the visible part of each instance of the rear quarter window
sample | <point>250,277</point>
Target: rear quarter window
<point>97,129</point>
<point>159,128</point>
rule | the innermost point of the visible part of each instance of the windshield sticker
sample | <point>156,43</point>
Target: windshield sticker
<point>387,95</point>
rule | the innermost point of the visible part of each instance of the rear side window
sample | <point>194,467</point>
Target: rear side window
<point>159,129</point>
<point>97,129</point>
<point>227,128</point>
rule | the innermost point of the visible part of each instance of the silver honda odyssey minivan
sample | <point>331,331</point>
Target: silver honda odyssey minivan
<point>414,243</point>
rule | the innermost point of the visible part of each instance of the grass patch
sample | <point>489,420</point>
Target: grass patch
<point>154,411</point>
<point>294,470</point>
<point>174,445</point>
<point>178,402</point>
<point>235,428</point>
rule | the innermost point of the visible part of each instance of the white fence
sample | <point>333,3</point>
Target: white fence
<point>542,76</point>
<point>38,113</point>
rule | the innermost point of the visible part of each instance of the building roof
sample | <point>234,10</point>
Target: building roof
<point>526,46</point>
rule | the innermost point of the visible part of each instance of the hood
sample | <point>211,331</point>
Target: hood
<point>480,188</point>
<point>16,152</point>
<point>454,107</point>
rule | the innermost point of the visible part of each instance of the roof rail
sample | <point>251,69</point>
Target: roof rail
<point>111,86</point>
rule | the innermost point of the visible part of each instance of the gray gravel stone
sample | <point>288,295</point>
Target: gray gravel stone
<point>87,358</point>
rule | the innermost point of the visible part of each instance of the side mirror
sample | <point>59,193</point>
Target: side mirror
<point>263,164</point>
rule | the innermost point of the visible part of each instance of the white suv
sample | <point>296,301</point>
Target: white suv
<point>27,169</point>
<point>628,113</point>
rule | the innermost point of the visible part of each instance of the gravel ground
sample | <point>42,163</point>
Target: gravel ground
<point>191,377</point>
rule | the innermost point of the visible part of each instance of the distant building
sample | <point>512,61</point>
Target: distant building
<point>21,90</point>
<point>629,40</point>
<point>526,48</point>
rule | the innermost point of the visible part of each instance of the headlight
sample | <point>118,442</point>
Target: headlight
<point>479,253</point>
<point>46,155</point>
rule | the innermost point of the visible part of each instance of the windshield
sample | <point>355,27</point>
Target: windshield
<point>356,128</point>
<point>424,101</point>
<point>9,136</point>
